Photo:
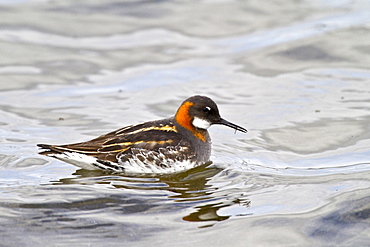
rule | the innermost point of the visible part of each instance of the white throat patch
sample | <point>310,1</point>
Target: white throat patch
<point>201,123</point>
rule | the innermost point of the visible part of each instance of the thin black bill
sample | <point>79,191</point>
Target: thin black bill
<point>231,125</point>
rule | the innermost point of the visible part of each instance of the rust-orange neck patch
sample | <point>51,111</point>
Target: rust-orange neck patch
<point>183,118</point>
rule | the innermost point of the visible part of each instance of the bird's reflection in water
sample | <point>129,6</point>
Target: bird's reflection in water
<point>189,189</point>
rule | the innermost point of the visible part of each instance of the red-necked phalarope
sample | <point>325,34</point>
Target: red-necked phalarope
<point>164,146</point>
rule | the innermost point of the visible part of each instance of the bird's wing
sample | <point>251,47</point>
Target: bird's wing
<point>148,141</point>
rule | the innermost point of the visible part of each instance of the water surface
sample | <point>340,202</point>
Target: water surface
<point>295,74</point>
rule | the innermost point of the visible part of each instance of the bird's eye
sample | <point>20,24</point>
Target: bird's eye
<point>207,109</point>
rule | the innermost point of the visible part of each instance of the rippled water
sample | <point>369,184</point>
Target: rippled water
<point>295,74</point>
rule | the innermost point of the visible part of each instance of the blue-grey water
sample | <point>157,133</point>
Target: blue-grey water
<point>296,74</point>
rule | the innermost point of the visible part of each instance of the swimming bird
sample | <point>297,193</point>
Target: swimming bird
<point>169,145</point>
